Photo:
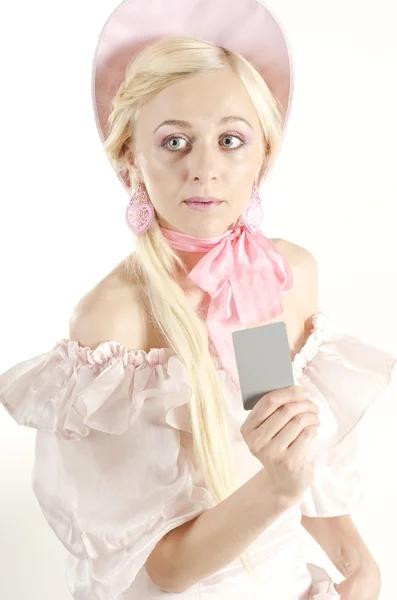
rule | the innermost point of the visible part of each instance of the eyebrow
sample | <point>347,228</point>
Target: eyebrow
<point>223,121</point>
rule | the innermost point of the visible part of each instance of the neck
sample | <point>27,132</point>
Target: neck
<point>190,259</point>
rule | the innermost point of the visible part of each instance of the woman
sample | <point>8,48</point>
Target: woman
<point>147,467</point>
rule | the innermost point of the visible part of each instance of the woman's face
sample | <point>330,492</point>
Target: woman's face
<point>202,154</point>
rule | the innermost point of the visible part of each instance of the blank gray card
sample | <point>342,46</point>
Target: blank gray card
<point>263,361</point>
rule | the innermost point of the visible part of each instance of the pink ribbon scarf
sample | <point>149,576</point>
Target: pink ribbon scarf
<point>244,275</point>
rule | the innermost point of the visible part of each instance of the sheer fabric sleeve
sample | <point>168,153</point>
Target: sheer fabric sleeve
<point>346,376</point>
<point>110,474</point>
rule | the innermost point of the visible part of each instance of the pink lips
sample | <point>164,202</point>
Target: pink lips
<point>202,203</point>
<point>202,199</point>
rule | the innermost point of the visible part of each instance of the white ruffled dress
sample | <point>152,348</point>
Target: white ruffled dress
<point>113,469</point>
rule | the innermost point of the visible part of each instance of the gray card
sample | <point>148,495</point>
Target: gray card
<point>263,361</point>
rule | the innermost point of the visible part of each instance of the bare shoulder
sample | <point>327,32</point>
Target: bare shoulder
<point>110,311</point>
<point>297,257</point>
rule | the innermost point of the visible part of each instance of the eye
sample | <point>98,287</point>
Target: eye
<point>173,143</point>
<point>229,138</point>
<point>173,146</point>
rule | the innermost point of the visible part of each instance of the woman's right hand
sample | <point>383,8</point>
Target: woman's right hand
<point>278,431</point>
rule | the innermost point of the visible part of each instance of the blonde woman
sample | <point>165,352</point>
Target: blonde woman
<point>147,466</point>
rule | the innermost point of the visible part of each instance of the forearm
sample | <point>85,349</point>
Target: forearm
<point>218,536</point>
<point>341,541</point>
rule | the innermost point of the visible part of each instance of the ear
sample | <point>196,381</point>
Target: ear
<point>129,157</point>
<point>132,166</point>
<point>262,173</point>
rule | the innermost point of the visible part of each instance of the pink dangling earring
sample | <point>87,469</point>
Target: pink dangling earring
<point>139,215</point>
<point>253,213</point>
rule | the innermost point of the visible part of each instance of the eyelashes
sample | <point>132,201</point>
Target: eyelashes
<point>164,143</point>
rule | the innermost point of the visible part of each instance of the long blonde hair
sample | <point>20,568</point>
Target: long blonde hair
<point>157,66</point>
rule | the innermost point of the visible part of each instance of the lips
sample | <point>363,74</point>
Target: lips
<point>203,200</point>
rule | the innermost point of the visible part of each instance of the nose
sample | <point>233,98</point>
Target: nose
<point>203,164</point>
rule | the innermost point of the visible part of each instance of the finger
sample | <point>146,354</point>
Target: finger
<point>300,446</point>
<point>271,402</point>
<point>273,424</point>
<point>292,429</point>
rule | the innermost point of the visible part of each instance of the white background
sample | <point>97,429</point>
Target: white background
<point>62,223</point>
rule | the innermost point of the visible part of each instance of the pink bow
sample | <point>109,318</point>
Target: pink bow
<point>244,275</point>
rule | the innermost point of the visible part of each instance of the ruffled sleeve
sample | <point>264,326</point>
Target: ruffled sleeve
<point>345,377</point>
<point>110,473</point>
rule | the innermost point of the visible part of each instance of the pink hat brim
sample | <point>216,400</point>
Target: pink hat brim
<point>246,27</point>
